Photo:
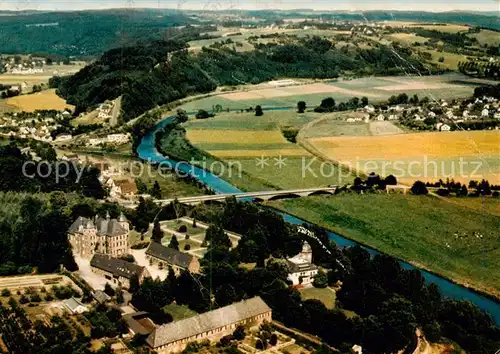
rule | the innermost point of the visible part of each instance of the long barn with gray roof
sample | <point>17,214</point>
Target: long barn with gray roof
<point>173,337</point>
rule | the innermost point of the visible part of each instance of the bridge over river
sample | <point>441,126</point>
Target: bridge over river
<point>257,196</point>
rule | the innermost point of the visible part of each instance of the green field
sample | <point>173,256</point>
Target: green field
<point>325,295</point>
<point>179,312</point>
<point>426,231</point>
<point>487,37</point>
<point>372,87</point>
<point>232,137</point>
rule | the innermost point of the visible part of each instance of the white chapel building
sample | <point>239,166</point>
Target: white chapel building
<point>302,270</point>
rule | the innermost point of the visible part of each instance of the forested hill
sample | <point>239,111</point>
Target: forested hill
<point>159,72</point>
<point>83,33</point>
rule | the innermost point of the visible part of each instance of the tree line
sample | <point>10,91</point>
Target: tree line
<point>389,301</point>
<point>158,72</point>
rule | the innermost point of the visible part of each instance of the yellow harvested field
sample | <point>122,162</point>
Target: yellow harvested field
<point>41,100</point>
<point>404,146</point>
<point>308,89</point>
<point>408,38</point>
<point>11,79</point>
<point>258,153</point>
<point>226,136</point>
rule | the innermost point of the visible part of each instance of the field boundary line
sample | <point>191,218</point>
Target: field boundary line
<point>306,145</point>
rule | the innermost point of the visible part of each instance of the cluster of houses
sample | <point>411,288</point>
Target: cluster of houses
<point>442,112</point>
<point>18,65</point>
<point>117,139</point>
<point>104,111</point>
<point>39,128</point>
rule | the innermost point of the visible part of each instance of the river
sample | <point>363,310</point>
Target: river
<point>147,151</point>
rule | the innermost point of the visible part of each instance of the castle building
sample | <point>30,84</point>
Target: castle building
<point>118,271</point>
<point>213,325</point>
<point>168,257</point>
<point>302,270</point>
<point>99,235</point>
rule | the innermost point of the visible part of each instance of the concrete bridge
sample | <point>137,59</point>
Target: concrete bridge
<point>257,196</point>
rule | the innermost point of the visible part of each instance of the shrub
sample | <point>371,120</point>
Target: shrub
<point>23,300</point>
<point>182,228</point>
<point>187,247</point>
<point>239,333</point>
<point>49,297</point>
<point>5,292</point>
<point>140,245</point>
<point>259,345</point>
<point>225,341</point>
<point>35,298</point>
<point>186,237</point>
<point>443,192</point>
<point>109,290</point>
<point>441,59</point>
<point>128,257</point>
<point>419,188</point>
<point>274,339</point>
<point>320,280</point>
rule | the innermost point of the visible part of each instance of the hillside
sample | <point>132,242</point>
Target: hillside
<point>158,72</point>
<point>83,33</point>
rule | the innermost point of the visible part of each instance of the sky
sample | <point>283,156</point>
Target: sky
<point>354,5</point>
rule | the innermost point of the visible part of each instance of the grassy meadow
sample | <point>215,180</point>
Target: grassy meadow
<point>487,37</point>
<point>426,231</point>
<point>375,88</point>
<point>242,139</point>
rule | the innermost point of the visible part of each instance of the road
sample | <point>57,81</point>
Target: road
<point>115,112</point>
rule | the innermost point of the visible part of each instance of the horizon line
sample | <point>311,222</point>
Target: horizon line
<point>253,9</point>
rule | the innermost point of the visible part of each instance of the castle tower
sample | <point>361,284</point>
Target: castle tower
<point>306,252</point>
<point>123,222</point>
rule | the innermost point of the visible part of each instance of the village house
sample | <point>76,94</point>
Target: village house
<point>117,271</point>
<point>74,306</point>
<point>63,137</point>
<point>444,128</point>
<point>100,296</point>
<point>139,323</point>
<point>103,115</point>
<point>213,325</point>
<point>485,113</point>
<point>121,188</point>
<point>302,270</point>
<point>380,117</point>
<point>369,108</point>
<point>99,235</point>
<point>393,117</point>
<point>118,138</point>
<point>164,257</point>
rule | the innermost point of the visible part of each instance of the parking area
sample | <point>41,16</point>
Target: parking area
<point>96,281</point>
<point>140,259</point>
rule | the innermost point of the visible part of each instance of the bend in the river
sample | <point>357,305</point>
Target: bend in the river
<point>147,151</point>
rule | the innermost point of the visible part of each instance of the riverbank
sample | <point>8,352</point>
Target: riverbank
<point>441,237</point>
<point>148,152</point>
